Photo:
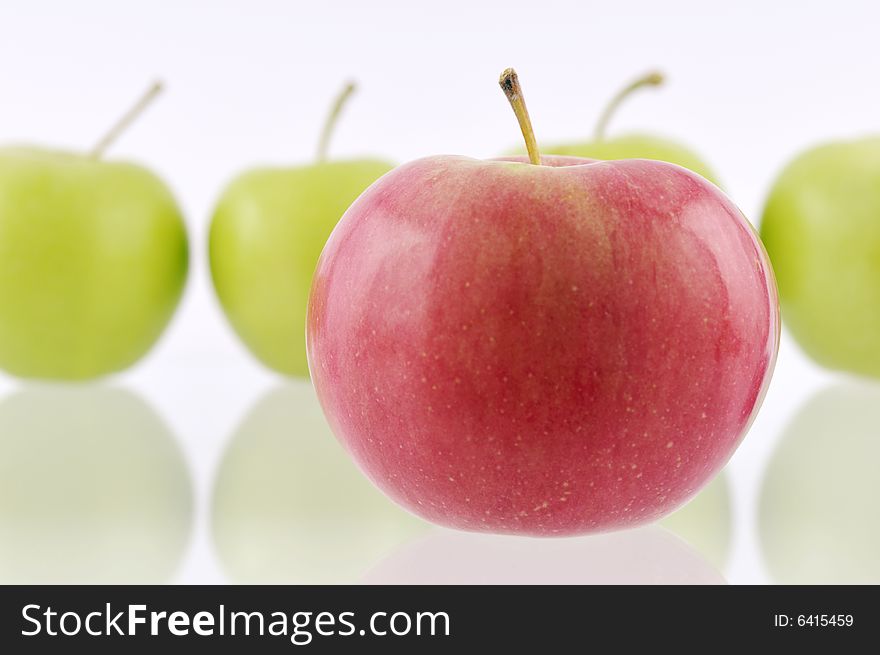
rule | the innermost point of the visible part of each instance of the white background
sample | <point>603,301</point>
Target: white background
<point>750,84</point>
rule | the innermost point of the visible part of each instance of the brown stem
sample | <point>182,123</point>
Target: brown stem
<point>332,118</point>
<point>510,84</point>
<point>126,120</point>
<point>654,78</point>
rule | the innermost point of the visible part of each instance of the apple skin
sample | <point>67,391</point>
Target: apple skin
<point>93,261</point>
<point>266,235</point>
<point>94,488</point>
<point>544,350</point>
<point>821,226</point>
<point>636,146</point>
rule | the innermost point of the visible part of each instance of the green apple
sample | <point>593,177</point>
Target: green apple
<point>821,227</point>
<point>93,489</point>
<point>267,233</point>
<point>819,518</point>
<point>705,521</point>
<point>93,260</point>
<point>633,146</point>
<point>289,505</point>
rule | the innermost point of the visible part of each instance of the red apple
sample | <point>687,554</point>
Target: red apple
<point>549,349</point>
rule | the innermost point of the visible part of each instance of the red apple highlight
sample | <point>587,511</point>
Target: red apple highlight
<point>550,349</point>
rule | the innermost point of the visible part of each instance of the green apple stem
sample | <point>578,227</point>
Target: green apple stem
<point>510,85</point>
<point>654,78</point>
<point>332,118</point>
<point>127,119</point>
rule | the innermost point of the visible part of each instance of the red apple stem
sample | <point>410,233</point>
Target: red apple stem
<point>126,120</point>
<point>654,78</point>
<point>332,118</point>
<point>510,85</point>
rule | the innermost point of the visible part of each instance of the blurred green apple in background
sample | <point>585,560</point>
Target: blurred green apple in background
<point>821,227</point>
<point>93,489</point>
<point>93,260</point>
<point>705,521</point>
<point>291,507</point>
<point>819,519</point>
<point>632,146</point>
<point>267,233</point>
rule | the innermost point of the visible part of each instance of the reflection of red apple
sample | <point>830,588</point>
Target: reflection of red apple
<point>646,555</point>
<point>544,349</point>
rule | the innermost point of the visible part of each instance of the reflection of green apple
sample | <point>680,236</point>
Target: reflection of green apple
<point>290,506</point>
<point>821,227</point>
<point>632,146</point>
<point>267,232</point>
<point>93,259</point>
<point>819,511</point>
<point>705,521</point>
<point>93,489</point>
